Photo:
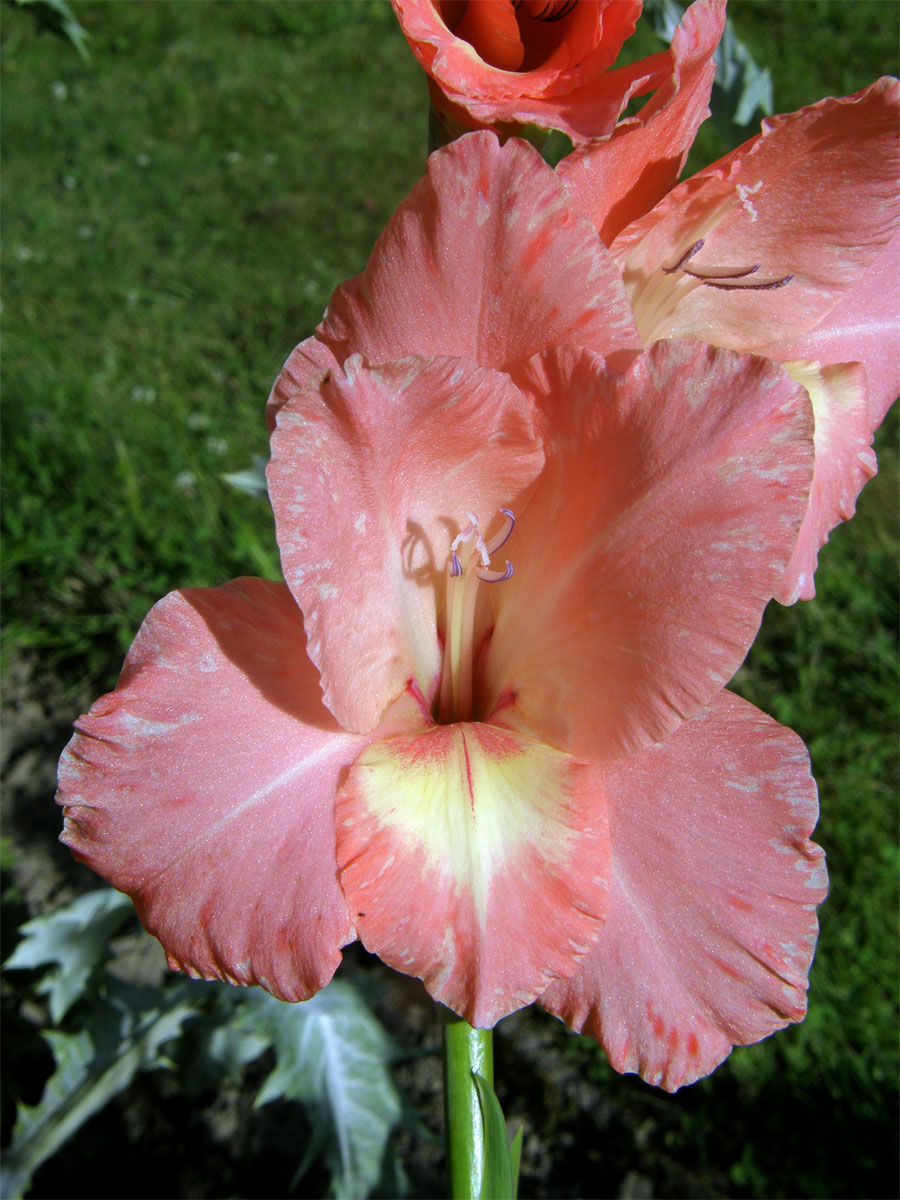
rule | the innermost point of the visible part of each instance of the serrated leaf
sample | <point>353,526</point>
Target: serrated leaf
<point>332,1056</point>
<point>92,1065</point>
<point>741,87</point>
<point>231,1047</point>
<point>75,938</point>
<point>498,1182</point>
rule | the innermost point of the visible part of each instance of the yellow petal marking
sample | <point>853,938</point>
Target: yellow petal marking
<point>470,795</point>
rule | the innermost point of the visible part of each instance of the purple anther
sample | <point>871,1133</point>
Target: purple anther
<point>560,12</point>
<point>742,274</point>
<point>487,576</point>
<point>549,12</point>
<point>455,566</point>
<point>686,257</point>
<point>749,287</point>
<point>502,536</point>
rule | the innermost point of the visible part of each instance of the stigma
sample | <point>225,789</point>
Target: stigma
<point>469,564</point>
<point>472,536</point>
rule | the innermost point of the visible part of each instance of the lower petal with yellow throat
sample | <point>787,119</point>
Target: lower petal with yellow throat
<point>476,859</point>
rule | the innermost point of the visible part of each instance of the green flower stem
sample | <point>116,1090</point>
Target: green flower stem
<point>465,1050</point>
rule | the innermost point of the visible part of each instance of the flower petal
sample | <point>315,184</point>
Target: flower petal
<point>371,476</point>
<point>306,366</point>
<point>475,859</point>
<point>662,524</point>
<point>560,57</point>
<point>618,180</point>
<point>486,259</point>
<point>714,884</point>
<point>204,787</point>
<point>844,462</point>
<point>864,327</point>
<point>789,222</point>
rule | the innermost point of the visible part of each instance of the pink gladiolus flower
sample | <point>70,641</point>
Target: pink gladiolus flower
<point>495,745</point>
<point>510,63</point>
<point>788,247</point>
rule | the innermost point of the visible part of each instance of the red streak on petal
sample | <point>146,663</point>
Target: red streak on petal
<point>468,771</point>
<point>416,692</point>
<point>693,1046</point>
<point>585,319</point>
<point>496,742</point>
<point>725,967</point>
<point>428,747</point>
<point>659,1026</point>
<point>537,249</point>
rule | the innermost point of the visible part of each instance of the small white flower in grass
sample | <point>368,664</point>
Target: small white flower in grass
<point>186,481</point>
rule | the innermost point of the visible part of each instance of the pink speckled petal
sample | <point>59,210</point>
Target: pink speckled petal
<point>844,462</point>
<point>864,327</point>
<point>804,209</point>
<point>486,259</point>
<point>204,786</point>
<point>620,179</point>
<point>475,859</point>
<point>662,524</point>
<point>713,889</point>
<point>372,475</point>
<point>306,366</point>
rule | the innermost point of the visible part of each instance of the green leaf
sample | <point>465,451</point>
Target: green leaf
<point>332,1056</point>
<point>58,18</point>
<point>500,1166</point>
<point>92,1065</point>
<point>515,1155</point>
<point>76,938</point>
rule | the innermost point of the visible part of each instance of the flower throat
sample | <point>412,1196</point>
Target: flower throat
<point>469,566</point>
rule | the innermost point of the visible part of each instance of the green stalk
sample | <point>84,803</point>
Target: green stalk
<point>466,1050</point>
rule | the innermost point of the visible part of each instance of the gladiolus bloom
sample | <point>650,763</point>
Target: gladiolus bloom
<point>481,726</point>
<point>506,64</point>
<point>788,247</point>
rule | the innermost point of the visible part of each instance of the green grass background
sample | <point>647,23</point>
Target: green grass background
<point>176,215</point>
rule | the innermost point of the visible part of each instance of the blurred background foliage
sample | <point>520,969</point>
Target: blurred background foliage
<point>177,210</point>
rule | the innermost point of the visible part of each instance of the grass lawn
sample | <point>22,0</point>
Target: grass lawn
<point>176,215</point>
